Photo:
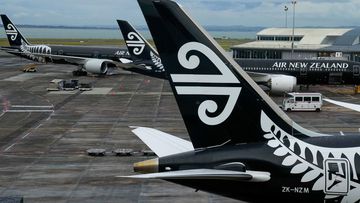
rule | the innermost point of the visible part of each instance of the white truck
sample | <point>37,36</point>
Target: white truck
<point>298,101</point>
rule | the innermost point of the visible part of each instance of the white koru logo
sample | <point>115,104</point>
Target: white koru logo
<point>11,31</point>
<point>226,77</point>
<point>136,42</point>
<point>157,62</point>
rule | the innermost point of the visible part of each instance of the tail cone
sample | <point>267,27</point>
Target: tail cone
<point>148,166</point>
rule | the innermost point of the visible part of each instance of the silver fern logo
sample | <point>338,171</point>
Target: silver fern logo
<point>226,77</point>
<point>136,43</point>
<point>11,31</point>
<point>332,170</point>
<point>157,62</point>
<point>35,52</point>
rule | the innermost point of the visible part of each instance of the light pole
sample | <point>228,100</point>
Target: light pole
<point>286,18</point>
<point>293,30</point>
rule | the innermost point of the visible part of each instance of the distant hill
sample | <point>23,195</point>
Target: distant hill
<point>221,28</point>
<point>236,28</point>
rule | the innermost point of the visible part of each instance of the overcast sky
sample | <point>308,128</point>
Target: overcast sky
<point>267,13</point>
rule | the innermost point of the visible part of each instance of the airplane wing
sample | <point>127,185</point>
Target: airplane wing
<point>161,143</point>
<point>248,176</point>
<point>83,60</point>
<point>355,107</point>
<point>71,59</point>
<point>10,50</point>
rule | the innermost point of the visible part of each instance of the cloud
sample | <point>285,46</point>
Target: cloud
<point>268,13</point>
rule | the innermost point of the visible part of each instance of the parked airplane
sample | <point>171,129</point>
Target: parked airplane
<point>141,52</point>
<point>277,76</point>
<point>242,145</point>
<point>307,71</point>
<point>96,60</point>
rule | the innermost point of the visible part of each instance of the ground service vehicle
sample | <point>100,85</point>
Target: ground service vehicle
<point>299,101</point>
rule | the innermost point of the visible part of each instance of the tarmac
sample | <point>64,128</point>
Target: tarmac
<point>44,136</point>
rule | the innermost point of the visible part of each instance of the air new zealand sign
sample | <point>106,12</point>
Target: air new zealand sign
<point>311,65</point>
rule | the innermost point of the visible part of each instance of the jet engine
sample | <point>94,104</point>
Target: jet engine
<point>97,66</point>
<point>280,84</point>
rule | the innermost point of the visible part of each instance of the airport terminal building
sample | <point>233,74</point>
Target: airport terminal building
<point>309,43</point>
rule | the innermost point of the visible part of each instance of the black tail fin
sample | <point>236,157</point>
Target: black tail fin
<point>219,102</point>
<point>13,34</point>
<point>141,51</point>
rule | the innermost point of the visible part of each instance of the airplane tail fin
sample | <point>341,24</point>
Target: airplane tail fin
<point>219,102</point>
<point>13,34</point>
<point>141,50</point>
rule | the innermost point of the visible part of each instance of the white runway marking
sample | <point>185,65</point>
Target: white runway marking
<point>28,111</point>
<point>48,118</point>
<point>98,91</point>
<point>22,77</point>
<point>25,135</point>
<point>38,126</point>
<point>8,148</point>
<point>28,106</point>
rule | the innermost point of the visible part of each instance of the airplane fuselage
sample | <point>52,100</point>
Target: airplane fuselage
<point>97,52</point>
<point>307,71</point>
<point>296,174</point>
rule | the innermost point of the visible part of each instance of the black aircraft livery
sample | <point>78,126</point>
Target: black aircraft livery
<point>242,145</point>
<point>92,59</point>
<point>142,53</point>
<point>307,71</point>
<point>276,76</point>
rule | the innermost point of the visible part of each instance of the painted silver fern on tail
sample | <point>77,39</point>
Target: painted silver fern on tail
<point>29,51</point>
<point>157,62</point>
<point>284,146</point>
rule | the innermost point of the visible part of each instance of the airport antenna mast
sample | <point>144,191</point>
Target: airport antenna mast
<point>286,16</point>
<point>293,30</point>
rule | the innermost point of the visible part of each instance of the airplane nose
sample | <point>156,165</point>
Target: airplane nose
<point>148,166</point>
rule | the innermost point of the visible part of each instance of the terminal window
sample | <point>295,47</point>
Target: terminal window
<point>257,54</point>
<point>278,38</point>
